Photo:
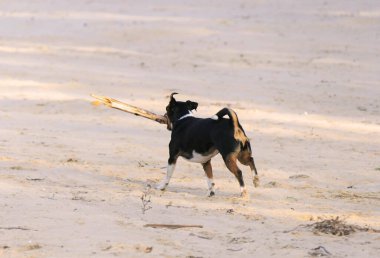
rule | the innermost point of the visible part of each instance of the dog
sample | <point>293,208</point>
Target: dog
<point>199,140</point>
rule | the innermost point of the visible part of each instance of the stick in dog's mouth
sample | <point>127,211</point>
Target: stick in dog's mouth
<point>113,103</point>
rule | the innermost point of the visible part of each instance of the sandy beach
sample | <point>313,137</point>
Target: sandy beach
<point>303,77</point>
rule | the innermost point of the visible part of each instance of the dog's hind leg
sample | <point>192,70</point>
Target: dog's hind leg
<point>255,177</point>
<point>246,159</point>
<point>230,161</point>
<point>208,171</point>
<point>169,172</point>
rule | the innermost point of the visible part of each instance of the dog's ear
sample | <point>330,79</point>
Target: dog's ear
<point>172,99</point>
<point>191,105</point>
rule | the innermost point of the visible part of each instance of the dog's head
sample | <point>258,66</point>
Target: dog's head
<point>177,109</point>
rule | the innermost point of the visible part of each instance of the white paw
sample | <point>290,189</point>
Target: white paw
<point>161,186</point>
<point>243,192</point>
<point>214,117</point>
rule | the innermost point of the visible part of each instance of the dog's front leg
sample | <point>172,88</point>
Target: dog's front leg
<point>169,172</point>
<point>210,181</point>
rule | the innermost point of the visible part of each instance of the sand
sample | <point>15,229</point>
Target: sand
<point>303,77</point>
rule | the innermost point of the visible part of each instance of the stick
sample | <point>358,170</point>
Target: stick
<point>113,103</point>
<point>172,226</point>
<point>15,228</point>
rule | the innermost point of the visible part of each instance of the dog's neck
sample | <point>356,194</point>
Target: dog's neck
<point>184,116</point>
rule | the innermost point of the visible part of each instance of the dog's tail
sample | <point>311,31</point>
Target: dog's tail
<point>239,133</point>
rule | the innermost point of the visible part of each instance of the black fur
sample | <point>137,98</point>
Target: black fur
<point>206,136</point>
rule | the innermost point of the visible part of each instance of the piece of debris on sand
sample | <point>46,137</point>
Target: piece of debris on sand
<point>319,251</point>
<point>338,227</point>
<point>334,226</point>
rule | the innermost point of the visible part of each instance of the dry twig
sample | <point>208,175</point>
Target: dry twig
<point>319,251</point>
<point>145,200</point>
<point>16,228</point>
<point>172,226</point>
<point>113,103</point>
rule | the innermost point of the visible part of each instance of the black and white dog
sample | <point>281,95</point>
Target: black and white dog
<point>198,140</point>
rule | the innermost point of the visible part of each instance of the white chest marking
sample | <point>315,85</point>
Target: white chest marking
<point>199,158</point>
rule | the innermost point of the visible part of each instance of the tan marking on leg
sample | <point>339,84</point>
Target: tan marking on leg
<point>210,182</point>
<point>246,159</point>
<point>231,164</point>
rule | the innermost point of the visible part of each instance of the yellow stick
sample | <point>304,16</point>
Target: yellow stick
<point>113,103</point>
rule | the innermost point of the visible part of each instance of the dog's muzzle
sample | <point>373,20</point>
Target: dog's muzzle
<point>168,122</point>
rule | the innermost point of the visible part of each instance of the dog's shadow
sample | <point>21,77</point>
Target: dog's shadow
<point>180,190</point>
